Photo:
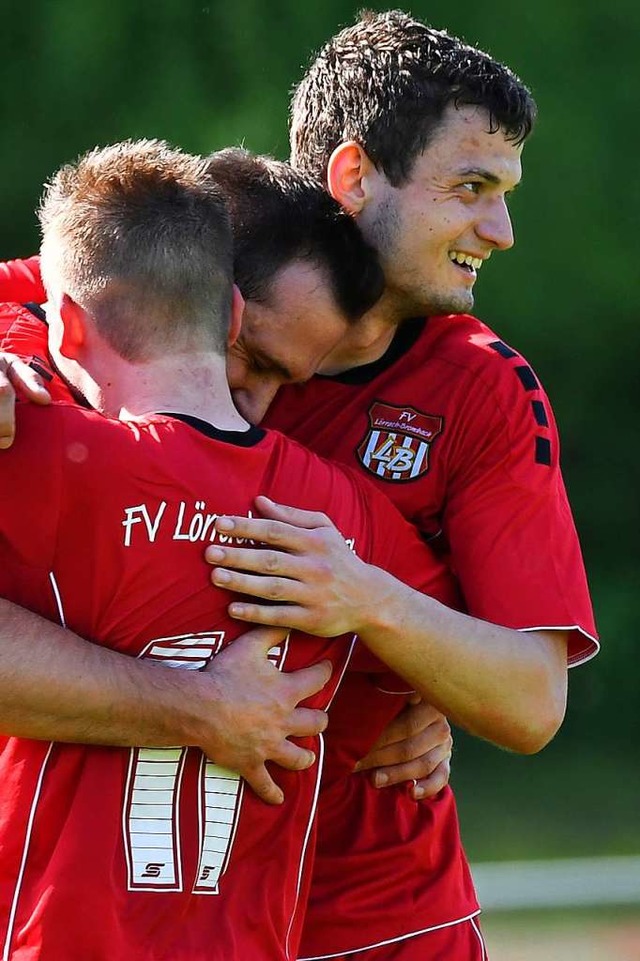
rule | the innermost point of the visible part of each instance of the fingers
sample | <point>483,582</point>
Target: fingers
<point>260,781</point>
<point>289,756</point>
<point>27,382</point>
<point>263,638</point>
<point>415,719</point>
<point>275,533</point>
<point>306,722</point>
<point>15,375</point>
<point>255,560</point>
<point>417,729</point>
<point>428,787</point>
<point>259,640</point>
<point>308,681</point>
<point>416,769</point>
<point>293,757</point>
<point>291,515</point>
<point>294,618</point>
<point>258,585</point>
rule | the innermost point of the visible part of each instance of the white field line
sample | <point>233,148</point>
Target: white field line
<point>512,885</point>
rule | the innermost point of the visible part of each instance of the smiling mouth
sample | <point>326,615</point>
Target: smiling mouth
<point>467,262</point>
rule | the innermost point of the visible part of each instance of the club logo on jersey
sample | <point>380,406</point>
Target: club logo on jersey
<point>396,446</point>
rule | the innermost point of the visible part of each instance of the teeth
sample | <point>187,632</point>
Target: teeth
<point>459,258</point>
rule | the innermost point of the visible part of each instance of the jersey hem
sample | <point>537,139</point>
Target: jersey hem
<point>400,937</point>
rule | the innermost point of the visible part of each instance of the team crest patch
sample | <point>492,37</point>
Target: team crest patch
<point>396,446</point>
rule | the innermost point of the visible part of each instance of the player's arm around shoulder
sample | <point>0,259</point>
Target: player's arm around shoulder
<point>483,677</point>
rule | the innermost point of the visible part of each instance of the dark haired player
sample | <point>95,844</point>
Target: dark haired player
<point>419,137</point>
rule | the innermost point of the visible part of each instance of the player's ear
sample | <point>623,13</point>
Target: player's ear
<point>74,327</point>
<point>351,176</point>
<point>235,321</point>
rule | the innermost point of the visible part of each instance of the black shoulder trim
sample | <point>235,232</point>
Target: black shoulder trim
<point>543,451</point>
<point>540,413</point>
<point>37,311</point>
<point>503,349</point>
<point>527,378</point>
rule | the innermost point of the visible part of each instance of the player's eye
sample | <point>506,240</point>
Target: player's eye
<point>256,364</point>
<point>471,186</point>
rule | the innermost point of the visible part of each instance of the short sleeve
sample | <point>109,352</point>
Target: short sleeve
<point>507,518</point>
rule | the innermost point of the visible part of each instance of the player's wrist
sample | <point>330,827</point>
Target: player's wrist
<point>378,613</point>
<point>173,700</point>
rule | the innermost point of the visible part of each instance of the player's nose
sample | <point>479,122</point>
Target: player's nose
<point>253,399</point>
<point>496,227</point>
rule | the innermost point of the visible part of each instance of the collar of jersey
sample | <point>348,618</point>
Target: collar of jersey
<point>405,337</point>
<point>239,438</point>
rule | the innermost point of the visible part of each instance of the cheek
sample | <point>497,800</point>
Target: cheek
<point>237,372</point>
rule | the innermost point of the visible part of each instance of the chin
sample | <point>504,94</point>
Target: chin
<point>446,302</point>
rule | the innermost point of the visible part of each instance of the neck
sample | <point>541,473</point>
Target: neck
<point>193,384</point>
<point>366,340</point>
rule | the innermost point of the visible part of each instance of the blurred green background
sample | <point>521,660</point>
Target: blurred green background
<point>206,76</point>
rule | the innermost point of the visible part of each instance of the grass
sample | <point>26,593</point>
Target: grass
<point>556,804</point>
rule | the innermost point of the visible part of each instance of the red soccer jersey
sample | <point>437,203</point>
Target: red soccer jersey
<point>151,854</point>
<point>453,425</point>
<point>23,331</point>
<point>20,281</point>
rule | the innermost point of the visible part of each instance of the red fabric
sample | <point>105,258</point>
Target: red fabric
<point>450,372</point>
<point>22,333</point>
<point>460,942</point>
<point>20,281</point>
<point>456,413</point>
<point>134,579</point>
<point>500,516</point>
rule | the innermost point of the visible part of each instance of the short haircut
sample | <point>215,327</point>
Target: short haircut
<point>385,82</point>
<point>138,235</point>
<point>280,216</point>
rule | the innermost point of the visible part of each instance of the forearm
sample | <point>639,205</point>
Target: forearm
<point>240,710</point>
<point>500,684</point>
<point>494,682</point>
<point>57,686</point>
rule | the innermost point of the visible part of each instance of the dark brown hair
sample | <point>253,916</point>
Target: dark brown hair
<point>385,82</point>
<point>278,216</point>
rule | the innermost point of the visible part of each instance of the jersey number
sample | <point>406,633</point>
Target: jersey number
<point>154,786</point>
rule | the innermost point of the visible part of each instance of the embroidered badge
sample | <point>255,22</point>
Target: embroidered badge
<point>396,446</point>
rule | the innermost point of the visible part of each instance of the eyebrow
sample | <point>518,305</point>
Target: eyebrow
<point>479,172</point>
<point>486,175</point>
